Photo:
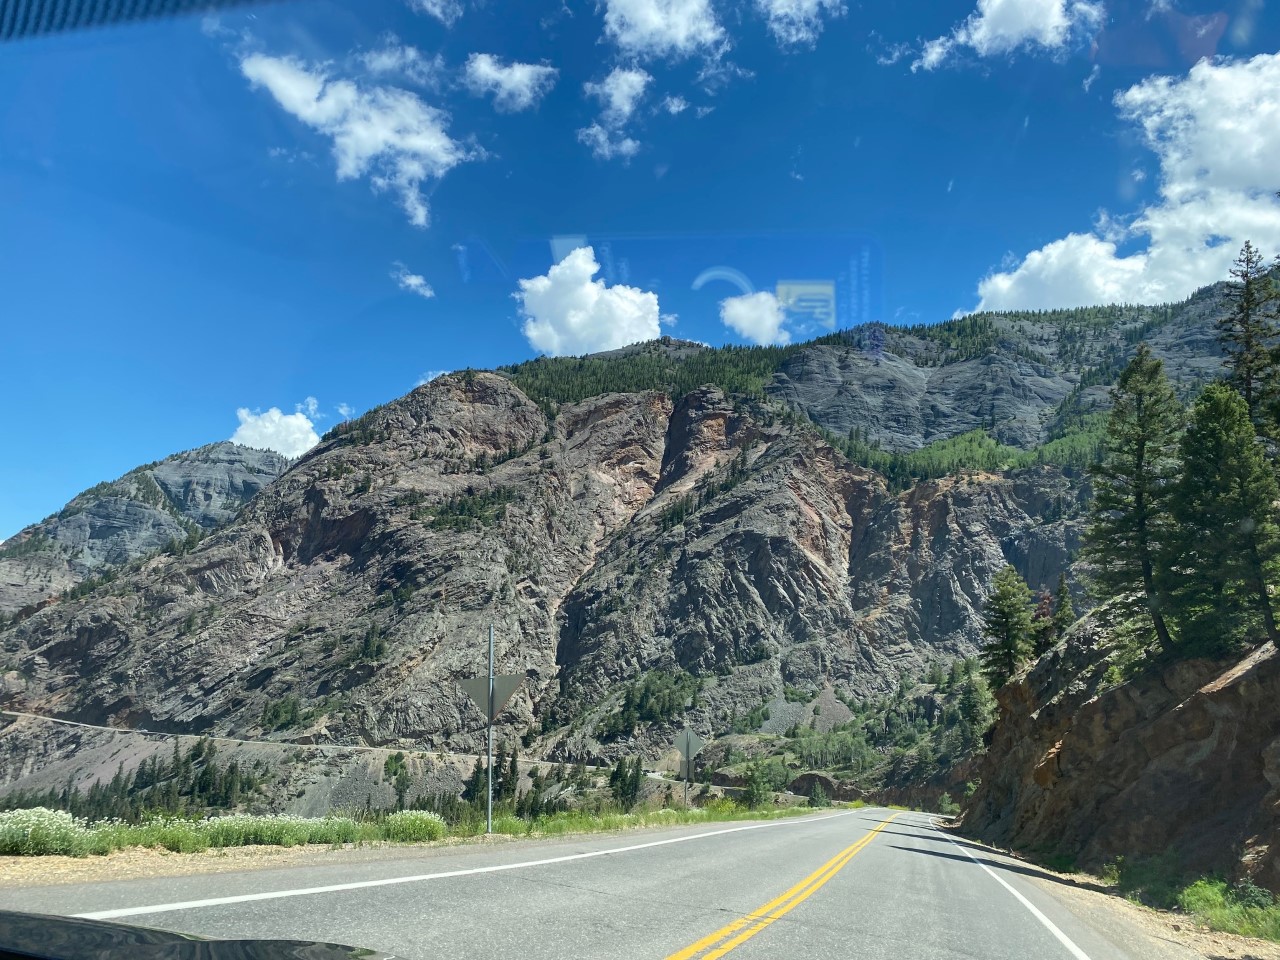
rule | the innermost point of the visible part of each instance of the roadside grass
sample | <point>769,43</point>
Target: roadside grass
<point>40,831</point>
<point>1243,908</point>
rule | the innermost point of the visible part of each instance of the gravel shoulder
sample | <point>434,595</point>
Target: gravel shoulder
<point>1173,929</point>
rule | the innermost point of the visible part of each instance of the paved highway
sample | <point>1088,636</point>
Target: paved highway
<point>872,884</point>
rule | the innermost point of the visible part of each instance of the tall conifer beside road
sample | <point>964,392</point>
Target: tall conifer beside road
<point>1007,625</point>
<point>1228,543</point>
<point>1130,522</point>
<point>1248,334</point>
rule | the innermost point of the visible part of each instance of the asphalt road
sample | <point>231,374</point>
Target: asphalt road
<point>871,884</point>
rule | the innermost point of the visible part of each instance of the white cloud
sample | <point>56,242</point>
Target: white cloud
<point>345,410</point>
<point>620,93</point>
<point>446,11</point>
<point>429,376</point>
<point>674,105</point>
<point>608,144</point>
<point>662,28</point>
<point>311,407</point>
<point>290,434</point>
<point>1091,78</point>
<point>798,21</point>
<point>568,312</point>
<point>759,317</point>
<point>411,282</point>
<point>1004,26</point>
<point>1215,133</point>
<point>515,86</point>
<point>394,58</point>
<point>389,135</point>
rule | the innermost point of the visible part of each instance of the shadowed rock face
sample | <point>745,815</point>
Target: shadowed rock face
<point>629,533</point>
<point>141,512</point>
<point>1185,760</point>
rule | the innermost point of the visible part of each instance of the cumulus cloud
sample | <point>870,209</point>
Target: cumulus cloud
<point>798,21</point>
<point>1215,133</point>
<point>759,317</point>
<point>663,28</point>
<point>674,105</point>
<point>608,144</point>
<point>1005,26</point>
<point>619,94</point>
<point>398,59</point>
<point>569,312</point>
<point>290,434</point>
<point>386,134</point>
<point>411,282</point>
<point>515,86</point>
<point>446,11</point>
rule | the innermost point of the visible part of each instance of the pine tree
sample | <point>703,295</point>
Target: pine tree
<point>1064,614</point>
<point>1006,623</point>
<point>1043,632</point>
<point>1248,334</point>
<point>633,785</point>
<point>1129,518</point>
<point>1228,540</point>
<point>511,776</point>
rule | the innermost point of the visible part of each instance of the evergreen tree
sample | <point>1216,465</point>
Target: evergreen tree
<point>1248,334</point>
<point>637,777</point>
<point>1043,632</point>
<point>511,776</point>
<point>1064,614</point>
<point>1228,540</point>
<point>1129,518</point>
<point>1007,625</point>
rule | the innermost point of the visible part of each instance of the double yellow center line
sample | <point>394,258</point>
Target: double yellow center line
<point>743,929</point>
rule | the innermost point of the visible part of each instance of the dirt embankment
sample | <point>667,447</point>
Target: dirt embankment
<point>1185,758</point>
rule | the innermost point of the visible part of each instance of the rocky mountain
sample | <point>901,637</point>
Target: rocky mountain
<point>664,535</point>
<point>1180,760</point>
<point>121,520</point>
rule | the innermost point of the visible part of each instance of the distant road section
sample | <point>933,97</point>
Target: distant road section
<point>870,884</point>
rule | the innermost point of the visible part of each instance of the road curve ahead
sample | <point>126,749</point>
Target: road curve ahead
<point>871,884</point>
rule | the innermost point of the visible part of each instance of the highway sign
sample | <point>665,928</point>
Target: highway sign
<point>689,743</point>
<point>477,688</point>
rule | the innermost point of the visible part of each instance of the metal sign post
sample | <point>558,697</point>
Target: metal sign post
<point>490,695</point>
<point>689,744</point>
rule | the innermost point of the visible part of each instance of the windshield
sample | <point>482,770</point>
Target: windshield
<point>803,472</point>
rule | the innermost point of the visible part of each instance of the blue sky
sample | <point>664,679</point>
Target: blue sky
<point>297,210</point>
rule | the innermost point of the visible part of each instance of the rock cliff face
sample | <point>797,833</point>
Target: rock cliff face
<point>1014,375</point>
<point>128,518</point>
<point>1183,759</point>
<point>628,534</point>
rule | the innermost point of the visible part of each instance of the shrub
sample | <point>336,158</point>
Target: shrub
<point>42,831</point>
<point>946,806</point>
<point>414,826</point>
<point>511,826</point>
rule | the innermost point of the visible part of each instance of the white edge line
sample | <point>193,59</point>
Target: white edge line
<point>389,881</point>
<point>1035,911</point>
